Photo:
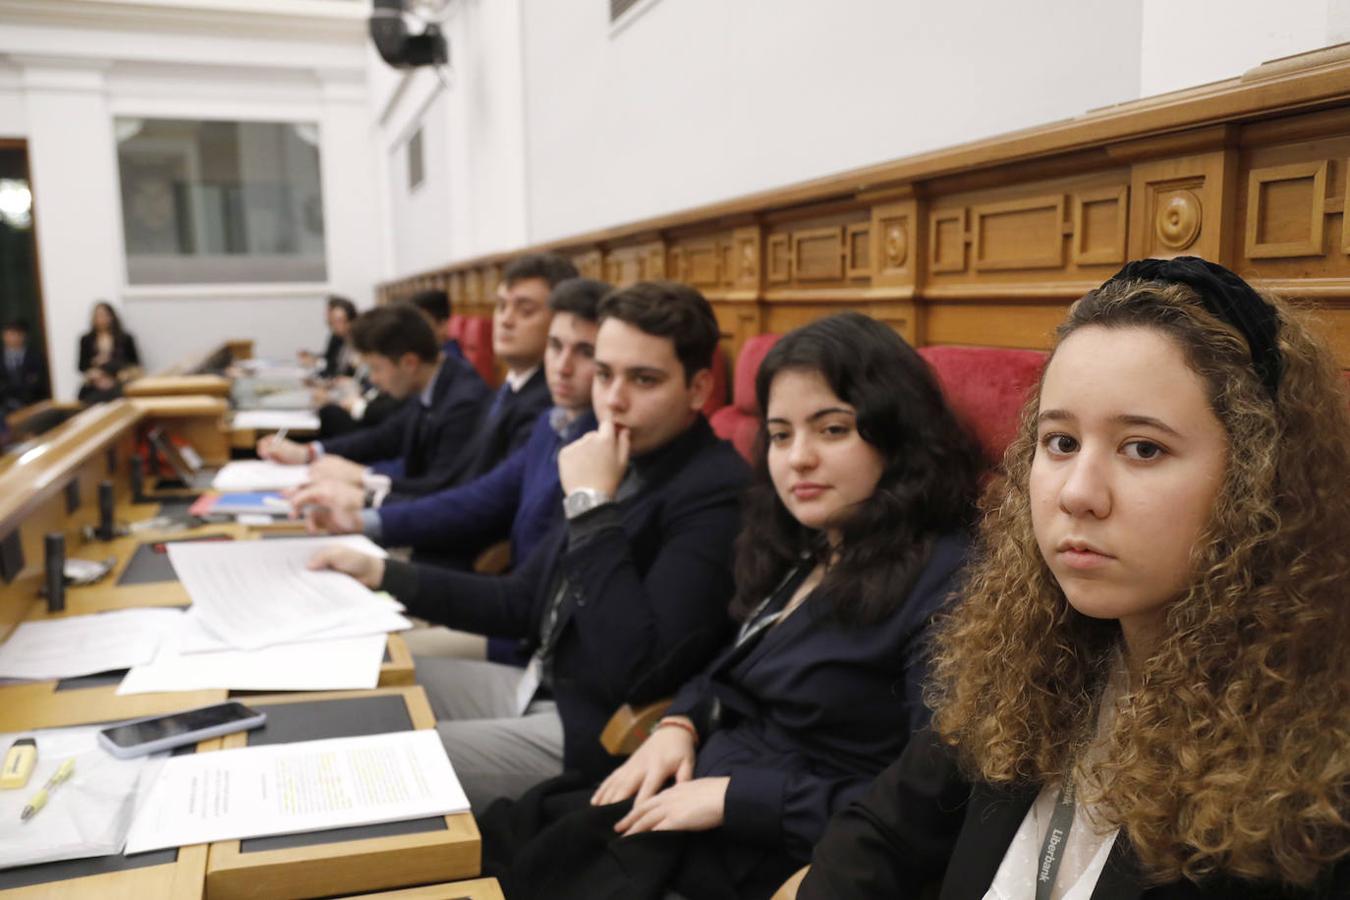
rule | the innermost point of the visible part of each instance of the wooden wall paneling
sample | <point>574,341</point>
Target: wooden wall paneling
<point>1286,210</point>
<point>1100,226</point>
<point>778,259</point>
<point>947,239</point>
<point>1018,234</point>
<point>780,318</point>
<point>895,251</point>
<point>901,315</point>
<point>818,254</point>
<point>701,263</point>
<point>738,321</point>
<point>746,255</point>
<point>590,264</point>
<point>1030,326</point>
<point>623,266</point>
<point>1178,206</point>
<point>474,295</point>
<point>654,261</point>
<point>858,250</point>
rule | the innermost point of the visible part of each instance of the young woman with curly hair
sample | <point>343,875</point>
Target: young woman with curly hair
<point>855,531</point>
<point>1146,689</point>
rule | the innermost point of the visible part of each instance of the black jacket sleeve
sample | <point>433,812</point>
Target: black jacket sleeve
<point>451,453</point>
<point>899,836</point>
<point>381,442</point>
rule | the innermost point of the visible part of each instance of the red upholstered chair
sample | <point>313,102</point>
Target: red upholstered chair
<point>718,398</point>
<point>986,386</point>
<point>739,422</point>
<point>477,346</point>
<point>454,328</point>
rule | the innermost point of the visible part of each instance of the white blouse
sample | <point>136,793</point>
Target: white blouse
<point>1089,841</point>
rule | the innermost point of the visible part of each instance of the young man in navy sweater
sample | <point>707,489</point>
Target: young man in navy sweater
<point>521,499</point>
<point>621,602</point>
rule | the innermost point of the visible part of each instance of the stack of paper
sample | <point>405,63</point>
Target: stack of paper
<point>83,645</point>
<point>276,419</point>
<point>259,475</point>
<point>290,788</point>
<point>261,620</point>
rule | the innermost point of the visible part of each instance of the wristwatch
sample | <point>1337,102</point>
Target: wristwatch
<point>583,500</point>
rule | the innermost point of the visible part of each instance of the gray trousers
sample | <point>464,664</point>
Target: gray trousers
<point>495,752</point>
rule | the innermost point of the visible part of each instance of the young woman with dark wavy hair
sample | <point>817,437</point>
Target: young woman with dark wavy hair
<point>1146,690</point>
<point>855,533</point>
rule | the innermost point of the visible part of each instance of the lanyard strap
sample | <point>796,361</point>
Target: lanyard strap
<point>1052,849</point>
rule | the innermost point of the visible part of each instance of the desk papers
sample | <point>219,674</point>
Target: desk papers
<point>276,419</point>
<point>289,788</point>
<point>259,475</point>
<point>83,645</point>
<point>333,665</point>
<point>252,594</point>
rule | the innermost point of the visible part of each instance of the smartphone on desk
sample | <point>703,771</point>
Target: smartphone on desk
<point>156,733</point>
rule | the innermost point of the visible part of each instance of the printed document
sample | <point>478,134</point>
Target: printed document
<point>252,594</point>
<point>259,475</point>
<point>289,788</point>
<point>83,645</point>
<point>276,419</point>
<point>347,664</point>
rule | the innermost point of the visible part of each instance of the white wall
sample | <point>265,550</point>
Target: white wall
<point>472,200</point>
<point>1198,41</point>
<point>79,65</point>
<point>700,100</point>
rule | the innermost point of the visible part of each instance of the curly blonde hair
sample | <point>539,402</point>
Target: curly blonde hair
<point>1228,754</point>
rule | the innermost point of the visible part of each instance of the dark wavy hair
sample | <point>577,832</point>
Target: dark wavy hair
<point>115,321</point>
<point>929,486</point>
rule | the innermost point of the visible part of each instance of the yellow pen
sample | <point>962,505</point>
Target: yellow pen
<point>40,798</point>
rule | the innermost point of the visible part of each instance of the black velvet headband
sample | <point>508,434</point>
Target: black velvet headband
<point>1229,298</point>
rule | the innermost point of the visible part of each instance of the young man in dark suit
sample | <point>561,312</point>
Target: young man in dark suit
<point>627,596</point>
<point>520,499</point>
<point>23,378</point>
<point>337,359</point>
<point>413,451</point>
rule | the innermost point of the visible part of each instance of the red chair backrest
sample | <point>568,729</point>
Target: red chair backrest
<point>718,398</point>
<point>476,343</point>
<point>986,387</point>
<point>739,422</point>
<point>454,328</point>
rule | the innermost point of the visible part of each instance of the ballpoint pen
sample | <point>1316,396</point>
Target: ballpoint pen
<point>40,798</point>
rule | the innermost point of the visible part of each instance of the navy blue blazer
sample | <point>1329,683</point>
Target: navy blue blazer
<point>648,591</point>
<point>521,499</point>
<point>31,384</point>
<point>506,424</point>
<point>924,821</point>
<point>804,717</point>
<point>427,448</point>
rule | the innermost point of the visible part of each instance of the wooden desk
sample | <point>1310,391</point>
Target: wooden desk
<point>173,385</point>
<point>322,864</point>
<point>170,874</point>
<point>477,889</point>
<point>196,418</point>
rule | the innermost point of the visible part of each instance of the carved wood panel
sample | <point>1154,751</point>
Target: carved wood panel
<point>1019,234</point>
<point>1286,210</point>
<point>818,254</point>
<point>894,247</point>
<point>1178,208</point>
<point>1100,225</point>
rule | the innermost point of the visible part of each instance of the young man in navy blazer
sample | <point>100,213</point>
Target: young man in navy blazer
<point>521,499</point>
<point>412,451</point>
<point>625,598</point>
<point>23,376</point>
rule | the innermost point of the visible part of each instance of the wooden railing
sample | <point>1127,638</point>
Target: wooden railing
<point>987,243</point>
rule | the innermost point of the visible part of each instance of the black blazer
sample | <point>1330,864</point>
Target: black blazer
<point>124,353</point>
<point>923,821</point>
<point>332,359</point>
<point>31,384</point>
<point>423,448</point>
<point>805,717</point>
<point>649,581</point>
<point>505,430</point>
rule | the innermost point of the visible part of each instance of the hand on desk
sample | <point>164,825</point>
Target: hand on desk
<point>697,805</point>
<point>335,468</point>
<point>596,460</point>
<point>667,752</point>
<point>328,506</point>
<point>282,451</point>
<point>369,570</point>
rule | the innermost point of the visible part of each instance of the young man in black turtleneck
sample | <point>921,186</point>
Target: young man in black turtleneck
<point>627,597</point>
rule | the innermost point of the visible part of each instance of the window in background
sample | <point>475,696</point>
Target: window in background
<point>416,161</point>
<point>220,202</point>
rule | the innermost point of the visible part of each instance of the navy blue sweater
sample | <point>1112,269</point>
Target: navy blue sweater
<point>520,499</point>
